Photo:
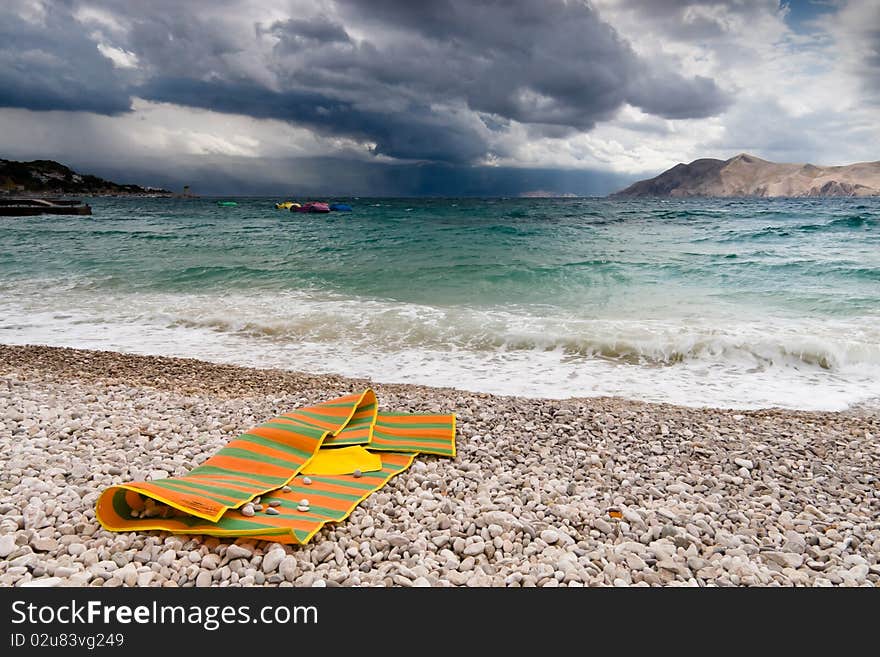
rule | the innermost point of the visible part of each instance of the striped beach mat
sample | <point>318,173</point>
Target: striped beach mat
<point>284,479</point>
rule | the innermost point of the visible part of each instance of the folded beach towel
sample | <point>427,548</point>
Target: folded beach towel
<point>308,467</point>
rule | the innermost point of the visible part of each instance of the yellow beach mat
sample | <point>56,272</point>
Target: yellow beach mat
<point>308,467</point>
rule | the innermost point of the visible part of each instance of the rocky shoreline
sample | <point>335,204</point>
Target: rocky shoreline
<point>577,492</point>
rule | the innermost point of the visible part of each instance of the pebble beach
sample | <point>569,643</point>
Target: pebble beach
<point>578,492</point>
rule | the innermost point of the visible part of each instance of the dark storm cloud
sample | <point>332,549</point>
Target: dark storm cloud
<point>296,34</point>
<point>534,61</point>
<point>414,132</point>
<point>674,98</point>
<point>428,80</point>
<point>54,67</point>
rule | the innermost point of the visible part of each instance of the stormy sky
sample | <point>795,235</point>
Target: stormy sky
<point>394,97</point>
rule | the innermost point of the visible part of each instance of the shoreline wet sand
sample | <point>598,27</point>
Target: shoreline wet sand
<point>592,491</point>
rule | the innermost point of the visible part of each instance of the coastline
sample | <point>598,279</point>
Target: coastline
<point>705,496</point>
<point>87,194</point>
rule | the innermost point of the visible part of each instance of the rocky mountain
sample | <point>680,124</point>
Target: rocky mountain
<point>50,177</point>
<point>747,175</point>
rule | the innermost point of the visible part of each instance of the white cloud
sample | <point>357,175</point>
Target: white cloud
<point>33,11</point>
<point>120,58</point>
<point>797,96</point>
<point>91,15</point>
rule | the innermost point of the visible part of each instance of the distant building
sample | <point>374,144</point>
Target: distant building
<point>187,193</point>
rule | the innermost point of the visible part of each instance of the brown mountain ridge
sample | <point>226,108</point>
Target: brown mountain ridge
<point>747,175</point>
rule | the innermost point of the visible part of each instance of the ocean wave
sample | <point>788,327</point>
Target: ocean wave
<point>654,344</point>
<point>852,222</point>
<point>855,221</point>
<point>720,361</point>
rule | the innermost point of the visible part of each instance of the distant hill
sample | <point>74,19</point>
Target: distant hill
<point>49,177</point>
<point>747,175</point>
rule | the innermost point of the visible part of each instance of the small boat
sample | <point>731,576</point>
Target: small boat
<point>286,205</point>
<point>340,207</point>
<point>312,207</point>
<point>29,207</point>
<point>227,204</point>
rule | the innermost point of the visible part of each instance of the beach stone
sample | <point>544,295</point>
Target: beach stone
<point>635,562</point>
<point>203,579</point>
<point>458,578</point>
<point>34,517</point>
<point>603,525</point>
<point>272,560</point>
<point>288,568</point>
<point>271,511</point>
<point>43,582</point>
<point>64,571</point>
<point>549,536</point>
<point>505,519</point>
<point>744,463</point>
<point>210,561</point>
<point>8,546</point>
<point>26,560</point>
<point>322,552</point>
<point>167,558</point>
<point>784,559</point>
<point>475,548</point>
<point>794,542</point>
<point>248,510</point>
<point>236,551</point>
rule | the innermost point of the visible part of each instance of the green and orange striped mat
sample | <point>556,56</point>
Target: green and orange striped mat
<point>271,457</point>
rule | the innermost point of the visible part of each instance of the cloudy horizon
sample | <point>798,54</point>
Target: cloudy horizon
<point>448,97</point>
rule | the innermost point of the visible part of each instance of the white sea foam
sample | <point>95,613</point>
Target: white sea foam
<point>726,360</point>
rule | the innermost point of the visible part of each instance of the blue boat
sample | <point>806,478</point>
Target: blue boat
<point>340,207</point>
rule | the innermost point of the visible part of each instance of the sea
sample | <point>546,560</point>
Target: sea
<point>734,303</point>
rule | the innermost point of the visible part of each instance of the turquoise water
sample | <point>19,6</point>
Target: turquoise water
<point>740,303</point>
